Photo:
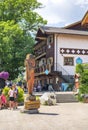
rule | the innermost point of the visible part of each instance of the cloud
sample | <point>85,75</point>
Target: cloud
<point>52,10</point>
<point>62,11</point>
<point>82,3</point>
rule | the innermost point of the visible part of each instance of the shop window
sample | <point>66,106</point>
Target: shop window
<point>69,61</point>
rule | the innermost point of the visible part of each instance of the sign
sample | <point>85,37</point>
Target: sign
<point>79,60</point>
<point>46,72</point>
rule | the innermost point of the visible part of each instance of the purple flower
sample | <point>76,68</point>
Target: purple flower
<point>4,75</point>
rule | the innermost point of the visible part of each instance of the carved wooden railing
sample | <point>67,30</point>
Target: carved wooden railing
<point>40,51</point>
<point>43,68</point>
<point>59,70</point>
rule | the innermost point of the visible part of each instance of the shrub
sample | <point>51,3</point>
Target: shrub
<point>79,68</point>
<point>83,89</point>
<point>5,91</point>
<point>20,94</point>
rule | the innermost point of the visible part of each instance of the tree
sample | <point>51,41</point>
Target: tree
<point>22,12</point>
<point>17,19</point>
<point>82,69</point>
<point>14,46</point>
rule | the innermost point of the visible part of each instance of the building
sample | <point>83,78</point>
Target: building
<point>58,50</point>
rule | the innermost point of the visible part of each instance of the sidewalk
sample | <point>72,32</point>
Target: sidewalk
<point>63,116</point>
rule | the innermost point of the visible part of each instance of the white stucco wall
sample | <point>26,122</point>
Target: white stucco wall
<point>70,41</point>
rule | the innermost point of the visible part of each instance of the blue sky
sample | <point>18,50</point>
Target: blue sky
<point>60,13</point>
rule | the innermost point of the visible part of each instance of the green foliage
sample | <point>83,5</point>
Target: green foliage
<point>20,78</point>
<point>17,19</point>
<point>84,89</point>
<point>22,12</point>
<point>20,93</point>
<point>79,68</point>
<point>83,70</point>
<point>79,97</point>
<point>14,46</point>
<point>37,98</point>
<point>84,78</point>
<point>5,91</point>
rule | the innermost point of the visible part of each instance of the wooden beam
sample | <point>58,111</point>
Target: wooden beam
<point>42,38</point>
<point>85,20</point>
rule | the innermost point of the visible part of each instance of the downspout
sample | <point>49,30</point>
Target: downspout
<point>55,53</point>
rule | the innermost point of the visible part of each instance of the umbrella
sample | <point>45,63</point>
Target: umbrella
<point>4,75</point>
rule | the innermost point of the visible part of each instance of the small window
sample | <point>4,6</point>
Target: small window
<point>69,61</point>
<point>50,41</point>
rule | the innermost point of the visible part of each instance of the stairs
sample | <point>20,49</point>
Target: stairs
<point>61,97</point>
<point>65,97</point>
<point>64,74</point>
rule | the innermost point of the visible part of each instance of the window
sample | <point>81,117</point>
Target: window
<point>69,61</point>
<point>50,41</point>
<point>51,81</point>
<point>50,60</point>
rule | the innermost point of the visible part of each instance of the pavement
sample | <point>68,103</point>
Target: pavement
<point>62,116</point>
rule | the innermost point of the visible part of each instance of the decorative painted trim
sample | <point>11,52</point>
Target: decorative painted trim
<point>74,51</point>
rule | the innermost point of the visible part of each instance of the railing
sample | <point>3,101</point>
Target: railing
<point>40,51</point>
<point>43,68</point>
<point>59,69</point>
<point>65,75</point>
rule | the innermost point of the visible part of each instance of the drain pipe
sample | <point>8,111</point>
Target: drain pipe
<point>55,53</point>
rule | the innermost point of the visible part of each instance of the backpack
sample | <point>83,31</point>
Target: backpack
<point>16,91</point>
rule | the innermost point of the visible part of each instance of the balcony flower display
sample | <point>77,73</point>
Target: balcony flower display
<point>4,75</point>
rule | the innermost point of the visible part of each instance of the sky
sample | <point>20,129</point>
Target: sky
<point>60,13</point>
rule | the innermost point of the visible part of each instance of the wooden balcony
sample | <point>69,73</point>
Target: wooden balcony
<point>41,70</point>
<point>41,55</point>
<point>40,52</point>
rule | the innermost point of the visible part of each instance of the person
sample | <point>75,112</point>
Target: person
<point>11,98</point>
<point>39,87</point>
<point>3,100</point>
<point>60,85</point>
<point>0,102</point>
<point>30,65</point>
<point>77,76</point>
<point>50,88</point>
<point>15,96</point>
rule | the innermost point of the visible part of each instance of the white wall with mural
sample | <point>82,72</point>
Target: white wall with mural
<point>74,46</point>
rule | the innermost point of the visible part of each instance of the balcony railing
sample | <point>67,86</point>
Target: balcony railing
<point>64,74</point>
<point>42,55</point>
<point>40,51</point>
<point>59,70</point>
<point>43,68</point>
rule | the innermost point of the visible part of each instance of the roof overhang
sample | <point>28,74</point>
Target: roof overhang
<point>85,19</point>
<point>65,31</point>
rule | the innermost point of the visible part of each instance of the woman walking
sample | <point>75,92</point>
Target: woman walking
<point>11,98</point>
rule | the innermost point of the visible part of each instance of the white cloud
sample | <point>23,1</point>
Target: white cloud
<point>62,11</point>
<point>52,10</point>
<point>82,2</point>
<point>53,1</point>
